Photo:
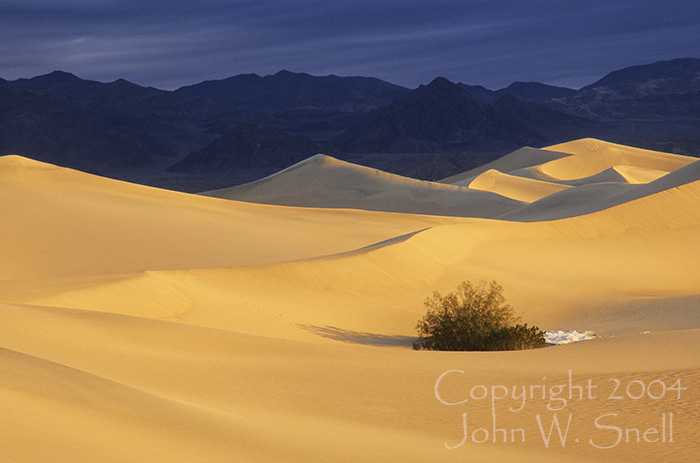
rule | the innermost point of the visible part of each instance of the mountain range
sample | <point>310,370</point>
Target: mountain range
<point>435,118</point>
<point>231,131</point>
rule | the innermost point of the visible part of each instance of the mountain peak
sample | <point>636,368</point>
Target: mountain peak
<point>441,82</point>
<point>54,78</point>
<point>124,83</point>
<point>443,87</point>
<point>284,72</point>
<point>58,74</point>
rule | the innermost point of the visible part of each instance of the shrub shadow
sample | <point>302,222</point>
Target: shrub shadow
<point>358,337</point>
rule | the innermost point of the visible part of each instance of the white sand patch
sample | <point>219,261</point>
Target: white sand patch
<point>566,337</point>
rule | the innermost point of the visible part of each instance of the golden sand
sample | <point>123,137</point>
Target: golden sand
<point>143,325</point>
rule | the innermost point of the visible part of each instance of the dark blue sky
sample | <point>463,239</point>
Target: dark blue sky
<point>167,44</point>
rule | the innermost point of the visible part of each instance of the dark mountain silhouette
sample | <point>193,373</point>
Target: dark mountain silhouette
<point>553,125</point>
<point>288,91</point>
<point>318,107</point>
<point>436,167</point>
<point>437,117</point>
<point>662,90</point>
<point>663,77</point>
<point>187,112</point>
<point>124,96</point>
<point>248,146</point>
<point>529,91</point>
<point>479,92</point>
<point>57,130</point>
<point>535,91</point>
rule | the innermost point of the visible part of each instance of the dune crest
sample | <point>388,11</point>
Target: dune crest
<point>13,161</point>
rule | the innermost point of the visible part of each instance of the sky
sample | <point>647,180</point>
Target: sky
<point>171,43</point>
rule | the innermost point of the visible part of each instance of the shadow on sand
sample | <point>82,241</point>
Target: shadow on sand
<point>358,337</point>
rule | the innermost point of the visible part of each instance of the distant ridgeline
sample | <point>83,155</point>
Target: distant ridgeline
<point>232,131</point>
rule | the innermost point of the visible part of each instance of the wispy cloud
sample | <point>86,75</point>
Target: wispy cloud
<point>408,42</point>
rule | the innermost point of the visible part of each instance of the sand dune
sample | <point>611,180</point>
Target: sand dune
<point>59,222</point>
<point>323,181</point>
<point>590,156</point>
<point>639,175</point>
<point>181,393</point>
<point>514,187</point>
<point>596,196</point>
<point>517,160</point>
<point>530,257</point>
<point>139,324</point>
<point>617,174</point>
<point>517,186</point>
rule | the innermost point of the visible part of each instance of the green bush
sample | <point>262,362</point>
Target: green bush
<point>516,337</point>
<point>474,318</point>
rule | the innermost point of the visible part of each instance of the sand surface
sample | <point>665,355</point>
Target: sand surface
<point>274,321</point>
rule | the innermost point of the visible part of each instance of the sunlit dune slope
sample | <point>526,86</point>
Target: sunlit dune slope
<point>640,175</point>
<point>591,156</point>
<point>514,187</point>
<point>323,181</point>
<point>630,175</point>
<point>517,160</point>
<point>595,196</point>
<point>582,162</point>
<point>642,248</point>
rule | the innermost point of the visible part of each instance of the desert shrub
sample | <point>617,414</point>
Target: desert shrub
<point>475,317</point>
<point>518,337</point>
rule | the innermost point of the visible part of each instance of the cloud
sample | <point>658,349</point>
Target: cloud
<point>492,43</point>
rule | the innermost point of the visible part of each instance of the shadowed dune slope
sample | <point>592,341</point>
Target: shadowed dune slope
<point>323,181</point>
